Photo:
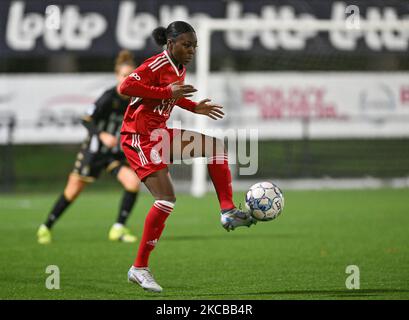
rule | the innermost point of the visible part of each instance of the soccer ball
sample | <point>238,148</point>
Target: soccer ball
<point>265,201</point>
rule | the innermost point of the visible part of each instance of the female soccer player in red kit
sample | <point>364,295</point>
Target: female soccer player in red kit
<point>156,87</point>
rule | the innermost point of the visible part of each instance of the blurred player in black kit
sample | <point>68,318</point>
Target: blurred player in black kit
<point>101,150</point>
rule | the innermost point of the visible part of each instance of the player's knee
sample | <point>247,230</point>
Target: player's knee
<point>132,184</point>
<point>170,198</point>
<point>128,179</point>
<point>72,193</point>
<point>218,146</point>
<point>213,146</point>
<point>132,189</point>
<point>74,187</point>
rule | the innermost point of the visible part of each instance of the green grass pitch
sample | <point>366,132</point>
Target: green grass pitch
<point>301,255</point>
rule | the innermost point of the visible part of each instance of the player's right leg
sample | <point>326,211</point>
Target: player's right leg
<point>160,186</point>
<point>75,185</point>
<point>156,177</point>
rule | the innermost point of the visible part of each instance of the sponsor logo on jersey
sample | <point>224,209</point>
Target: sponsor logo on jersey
<point>166,107</point>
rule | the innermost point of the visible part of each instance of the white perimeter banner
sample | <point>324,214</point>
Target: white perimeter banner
<point>286,105</point>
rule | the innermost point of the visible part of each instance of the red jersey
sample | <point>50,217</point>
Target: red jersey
<point>151,96</point>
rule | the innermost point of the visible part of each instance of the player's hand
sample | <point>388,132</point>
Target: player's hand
<point>108,139</point>
<point>211,110</point>
<point>180,90</point>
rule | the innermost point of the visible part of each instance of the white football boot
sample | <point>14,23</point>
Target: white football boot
<point>144,278</point>
<point>234,218</point>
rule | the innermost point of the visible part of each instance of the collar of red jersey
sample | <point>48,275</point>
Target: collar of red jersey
<point>173,65</point>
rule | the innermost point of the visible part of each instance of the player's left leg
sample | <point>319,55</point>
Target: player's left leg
<point>131,184</point>
<point>194,144</point>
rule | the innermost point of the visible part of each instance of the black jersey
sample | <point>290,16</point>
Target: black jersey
<point>105,115</point>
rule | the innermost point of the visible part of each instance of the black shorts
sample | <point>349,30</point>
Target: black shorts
<point>89,166</point>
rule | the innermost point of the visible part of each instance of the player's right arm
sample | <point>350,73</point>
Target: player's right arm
<point>140,83</point>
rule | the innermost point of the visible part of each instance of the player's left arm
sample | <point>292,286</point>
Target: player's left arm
<point>204,107</point>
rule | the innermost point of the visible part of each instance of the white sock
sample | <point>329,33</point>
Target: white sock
<point>118,225</point>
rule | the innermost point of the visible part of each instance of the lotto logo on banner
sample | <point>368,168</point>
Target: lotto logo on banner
<point>103,27</point>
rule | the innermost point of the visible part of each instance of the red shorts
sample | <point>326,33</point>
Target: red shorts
<point>148,153</point>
